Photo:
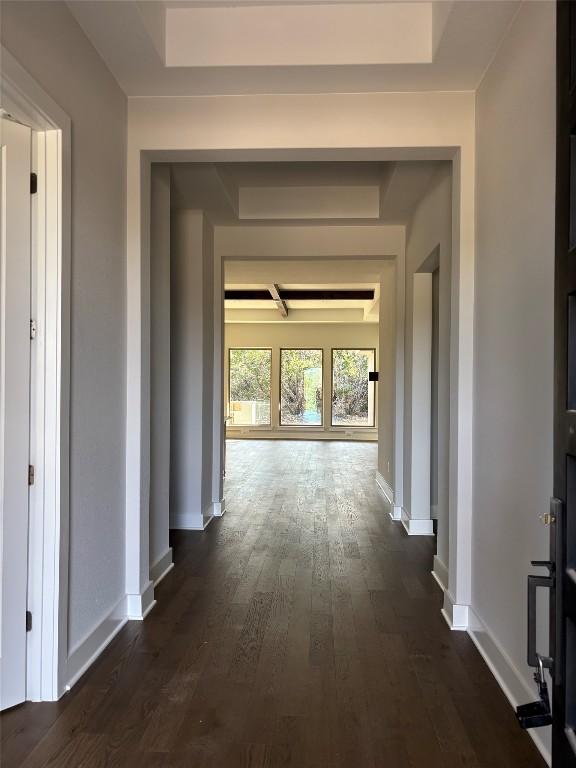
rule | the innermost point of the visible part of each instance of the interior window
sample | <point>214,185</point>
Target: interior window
<point>352,392</point>
<point>301,387</point>
<point>250,375</point>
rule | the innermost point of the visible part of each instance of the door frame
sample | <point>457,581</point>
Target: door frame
<point>47,643</point>
<point>426,126</point>
<point>417,519</point>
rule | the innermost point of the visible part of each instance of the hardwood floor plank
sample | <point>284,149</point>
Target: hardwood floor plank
<point>301,630</point>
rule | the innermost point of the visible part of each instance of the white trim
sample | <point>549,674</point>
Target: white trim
<point>369,435</point>
<point>416,527</point>
<point>440,573</point>
<point>509,678</point>
<point>191,522</point>
<point>219,508</point>
<point>420,402</point>
<point>86,652</point>
<point>399,405</point>
<point>161,567</point>
<point>430,137</point>
<point>456,615</point>
<point>385,487</point>
<point>24,99</point>
<point>139,606</point>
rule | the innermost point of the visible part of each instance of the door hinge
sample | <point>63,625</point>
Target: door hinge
<point>31,474</point>
<point>32,329</point>
<point>33,183</point>
<point>28,621</point>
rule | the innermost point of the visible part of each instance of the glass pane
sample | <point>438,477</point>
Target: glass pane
<point>301,387</point>
<point>250,377</point>
<point>352,393</point>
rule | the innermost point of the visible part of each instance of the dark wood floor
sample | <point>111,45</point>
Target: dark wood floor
<point>303,629</point>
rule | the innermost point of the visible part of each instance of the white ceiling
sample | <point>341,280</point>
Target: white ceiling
<point>359,193</point>
<point>344,274</point>
<point>314,193</point>
<point>273,46</point>
<point>359,273</point>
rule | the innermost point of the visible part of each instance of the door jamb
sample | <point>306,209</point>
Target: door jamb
<point>143,150</point>
<point>25,100</point>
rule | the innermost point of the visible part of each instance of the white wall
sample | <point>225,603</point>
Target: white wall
<point>428,244</point>
<point>287,335</point>
<point>390,335</point>
<point>218,426</point>
<point>513,380</point>
<point>434,476</point>
<point>48,43</point>
<point>303,127</point>
<point>383,243</point>
<point>207,364</point>
<point>159,366</point>
<point>192,360</point>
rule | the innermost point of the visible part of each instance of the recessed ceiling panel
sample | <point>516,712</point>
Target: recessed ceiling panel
<point>299,35</point>
<point>336,202</point>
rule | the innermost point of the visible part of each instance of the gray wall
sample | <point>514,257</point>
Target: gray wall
<point>159,362</point>
<point>434,434</point>
<point>387,372</point>
<point>513,379</point>
<point>192,361</point>
<point>208,362</point>
<point>430,237</point>
<point>48,42</point>
<point>218,427</point>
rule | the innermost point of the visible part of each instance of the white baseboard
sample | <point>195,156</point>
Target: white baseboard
<point>191,522</point>
<point>511,681</point>
<point>85,653</point>
<point>161,567</point>
<point>219,508</point>
<point>363,434</point>
<point>385,487</point>
<point>396,513</point>
<point>415,527</point>
<point>456,615</point>
<point>440,573</point>
<point>138,606</point>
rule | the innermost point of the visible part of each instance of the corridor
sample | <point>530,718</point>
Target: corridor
<point>302,629</point>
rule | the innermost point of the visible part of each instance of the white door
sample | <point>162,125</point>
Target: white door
<point>15,224</point>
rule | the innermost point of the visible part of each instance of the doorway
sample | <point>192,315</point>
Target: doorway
<point>16,351</point>
<point>561,566</point>
<point>428,405</point>
<point>239,242</point>
<point>301,355</point>
<point>34,389</point>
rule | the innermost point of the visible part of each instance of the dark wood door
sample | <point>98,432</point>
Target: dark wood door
<point>563,530</point>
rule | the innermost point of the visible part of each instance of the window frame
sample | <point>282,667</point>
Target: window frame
<point>299,426</point>
<point>350,426</point>
<point>249,349</point>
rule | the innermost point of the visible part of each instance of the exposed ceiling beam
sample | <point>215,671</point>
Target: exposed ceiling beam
<point>323,294</point>
<point>314,294</point>
<point>247,294</point>
<point>280,303</point>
